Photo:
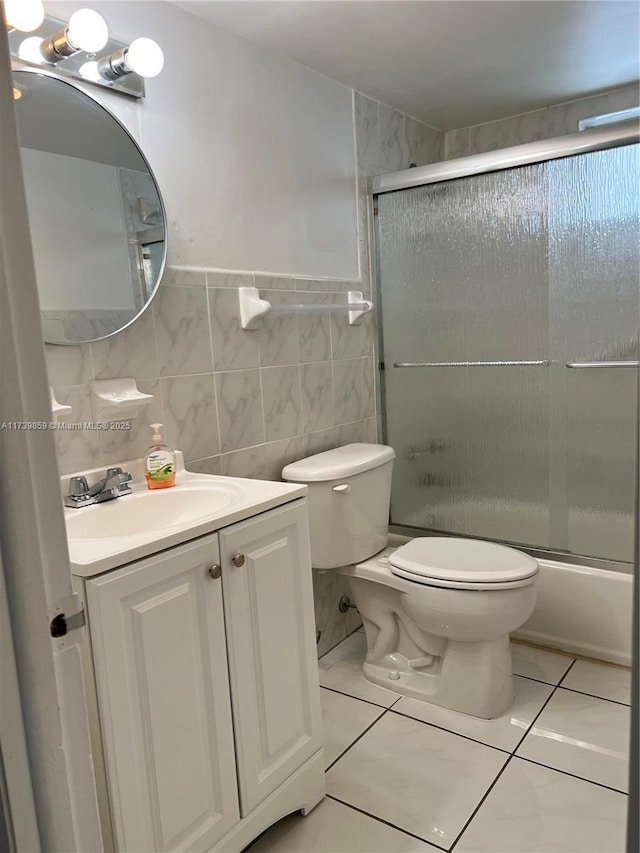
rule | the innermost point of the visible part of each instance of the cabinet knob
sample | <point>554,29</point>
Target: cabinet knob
<point>215,571</point>
<point>238,560</point>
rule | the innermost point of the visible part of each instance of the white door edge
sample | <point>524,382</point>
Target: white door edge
<point>32,534</point>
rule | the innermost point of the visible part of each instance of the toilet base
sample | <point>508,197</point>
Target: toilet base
<point>472,678</point>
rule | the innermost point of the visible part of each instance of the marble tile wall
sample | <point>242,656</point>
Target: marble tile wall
<point>236,402</point>
<point>245,403</point>
<point>387,141</point>
<point>556,120</point>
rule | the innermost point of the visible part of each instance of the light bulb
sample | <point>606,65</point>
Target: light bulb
<point>144,57</point>
<point>89,70</point>
<point>24,15</point>
<point>29,49</point>
<point>87,30</point>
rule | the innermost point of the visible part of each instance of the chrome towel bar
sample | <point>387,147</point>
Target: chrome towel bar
<point>590,364</point>
<point>473,364</point>
<point>571,364</point>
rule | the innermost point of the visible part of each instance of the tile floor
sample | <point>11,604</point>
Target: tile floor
<point>407,777</point>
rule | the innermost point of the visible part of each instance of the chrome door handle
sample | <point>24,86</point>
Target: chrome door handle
<point>238,561</point>
<point>215,571</point>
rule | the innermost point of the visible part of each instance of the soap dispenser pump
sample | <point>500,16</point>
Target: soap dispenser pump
<point>159,462</point>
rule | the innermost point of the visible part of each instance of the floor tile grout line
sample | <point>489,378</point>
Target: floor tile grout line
<point>478,807</point>
<point>572,775</point>
<point>508,755</point>
<point>385,709</point>
<point>547,766</point>
<point>368,701</point>
<point>354,742</point>
<point>533,722</point>
<point>452,732</point>
<point>594,696</point>
<point>582,692</point>
<point>538,680</point>
<point>344,639</point>
<point>386,822</point>
<point>566,673</point>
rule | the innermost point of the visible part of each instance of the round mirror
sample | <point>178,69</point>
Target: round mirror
<point>97,220</point>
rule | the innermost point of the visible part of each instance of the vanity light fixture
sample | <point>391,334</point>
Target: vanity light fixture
<point>24,15</point>
<point>143,57</point>
<point>30,49</point>
<point>89,70</point>
<point>87,30</point>
<point>81,48</point>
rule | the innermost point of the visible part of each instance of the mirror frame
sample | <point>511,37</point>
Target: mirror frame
<point>17,66</point>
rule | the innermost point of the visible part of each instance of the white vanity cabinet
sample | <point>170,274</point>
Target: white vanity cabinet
<point>207,691</point>
<point>273,665</point>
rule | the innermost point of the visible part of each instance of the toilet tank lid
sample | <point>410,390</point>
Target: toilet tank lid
<point>339,462</point>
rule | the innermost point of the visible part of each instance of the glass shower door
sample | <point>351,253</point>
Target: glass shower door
<point>489,285</point>
<point>594,276</point>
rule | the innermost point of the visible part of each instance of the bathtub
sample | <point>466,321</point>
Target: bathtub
<point>582,610</point>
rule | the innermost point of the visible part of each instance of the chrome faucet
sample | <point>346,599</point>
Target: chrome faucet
<point>113,485</point>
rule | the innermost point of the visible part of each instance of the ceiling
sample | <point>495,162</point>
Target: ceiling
<point>449,63</point>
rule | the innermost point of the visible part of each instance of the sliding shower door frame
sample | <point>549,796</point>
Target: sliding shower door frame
<point>596,139</point>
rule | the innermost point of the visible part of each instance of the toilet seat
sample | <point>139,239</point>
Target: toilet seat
<point>462,564</point>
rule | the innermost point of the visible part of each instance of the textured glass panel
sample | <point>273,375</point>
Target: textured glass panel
<point>594,279</point>
<point>463,277</point>
<point>535,263</point>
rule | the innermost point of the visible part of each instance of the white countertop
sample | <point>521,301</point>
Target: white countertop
<point>92,556</point>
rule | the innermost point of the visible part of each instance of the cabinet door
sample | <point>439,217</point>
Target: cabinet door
<point>271,646</point>
<point>157,629</point>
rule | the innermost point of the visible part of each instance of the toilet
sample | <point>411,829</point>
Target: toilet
<point>437,611</point>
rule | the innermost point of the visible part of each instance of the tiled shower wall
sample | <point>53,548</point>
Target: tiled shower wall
<point>245,403</point>
<point>556,120</point>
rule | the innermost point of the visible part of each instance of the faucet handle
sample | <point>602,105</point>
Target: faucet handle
<point>78,486</point>
<point>123,476</point>
<point>79,494</point>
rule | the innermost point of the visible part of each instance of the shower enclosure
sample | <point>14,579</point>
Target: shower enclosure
<point>509,294</point>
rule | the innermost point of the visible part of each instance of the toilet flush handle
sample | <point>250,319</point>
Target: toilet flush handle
<point>343,489</point>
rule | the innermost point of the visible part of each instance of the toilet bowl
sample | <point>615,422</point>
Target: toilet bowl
<point>437,611</point>
<point>444,638</point>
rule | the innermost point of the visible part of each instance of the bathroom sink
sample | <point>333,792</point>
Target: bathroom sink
<point>110,534</point>
<point>150,511</point>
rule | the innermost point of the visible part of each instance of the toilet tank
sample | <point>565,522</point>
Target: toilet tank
<point>349,495</point>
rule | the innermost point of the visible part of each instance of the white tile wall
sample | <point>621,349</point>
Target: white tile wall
<point>555,120</point>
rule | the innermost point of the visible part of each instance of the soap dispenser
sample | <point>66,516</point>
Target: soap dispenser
<point>159,462</point>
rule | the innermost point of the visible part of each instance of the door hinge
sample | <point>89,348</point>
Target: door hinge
<point>68,615</point>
